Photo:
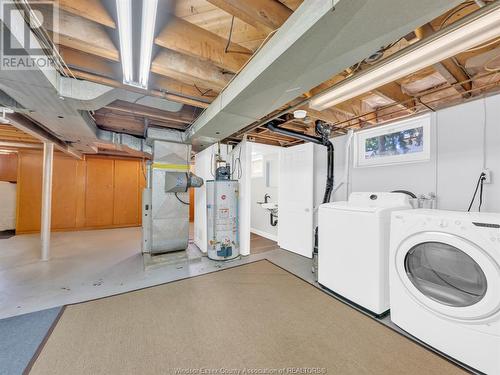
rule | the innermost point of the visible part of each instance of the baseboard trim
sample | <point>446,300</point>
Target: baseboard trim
<point>261,233</point>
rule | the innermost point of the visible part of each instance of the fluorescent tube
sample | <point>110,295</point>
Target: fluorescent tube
<point>149,9</point>
<point>472,31</point>
<point>124,13</point>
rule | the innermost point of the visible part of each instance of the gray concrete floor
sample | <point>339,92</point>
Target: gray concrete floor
<point>93,264</point>
<point>86,265</point>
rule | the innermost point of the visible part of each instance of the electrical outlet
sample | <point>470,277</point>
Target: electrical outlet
<point>487,178</point>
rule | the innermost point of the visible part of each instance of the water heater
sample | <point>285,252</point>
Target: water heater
<point>222,219</point>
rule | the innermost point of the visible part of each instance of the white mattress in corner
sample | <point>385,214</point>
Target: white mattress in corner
<point>8,205</point>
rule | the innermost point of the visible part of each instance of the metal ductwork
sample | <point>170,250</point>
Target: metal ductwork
<point>90,96</point>
<point>124,141</point>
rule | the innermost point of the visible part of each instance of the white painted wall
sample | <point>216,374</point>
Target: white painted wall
<point>465,138</point>
<point>8,206</point>
<point>260,218</point>
<point>243,152</point>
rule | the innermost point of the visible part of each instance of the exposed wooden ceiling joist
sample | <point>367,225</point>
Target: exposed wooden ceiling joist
<point>185,116</point>
<point>393,92</point>
<point>266,15</point>
<point>90,9</point>
<point>184,37</point>
<point>219,22</point>
<point>158,92</point>
<point>88,63</point>
<point>453,15</point>
<point>326,115</point>
<point>120,124</point>
<point>84,35</point>
<point>189,70</point>
<point>291,4</point>
<point>352,108</point>
<point>11,134</point>
<point>105,72</point>
<point>167,84</point>
<point>270,136</point>
<point>126,123</point>
<point>453,73</point>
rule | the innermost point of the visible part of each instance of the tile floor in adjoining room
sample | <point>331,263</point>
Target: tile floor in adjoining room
<point>259,244</point>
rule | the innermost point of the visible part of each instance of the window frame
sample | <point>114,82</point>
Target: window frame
<point>360,138</point>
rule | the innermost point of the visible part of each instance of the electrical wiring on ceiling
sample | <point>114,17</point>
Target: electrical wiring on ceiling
<point>492,69</point>
<point>463,6</point>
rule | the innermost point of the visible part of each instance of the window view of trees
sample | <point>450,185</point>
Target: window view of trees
<point>398,143</point>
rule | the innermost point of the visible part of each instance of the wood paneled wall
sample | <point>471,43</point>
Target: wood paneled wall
<point>98,192</point>
<point>8,167</point>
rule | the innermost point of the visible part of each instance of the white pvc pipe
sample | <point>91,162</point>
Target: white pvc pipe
<point>347,166</point>
<point>48,156</point>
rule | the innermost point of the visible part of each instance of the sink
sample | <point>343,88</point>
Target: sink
<point>271,206</point>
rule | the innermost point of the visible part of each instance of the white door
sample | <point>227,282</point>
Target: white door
<point>295,202</point>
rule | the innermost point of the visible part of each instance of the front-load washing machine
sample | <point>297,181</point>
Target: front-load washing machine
<point>353,246</point>
<point>445,282</point>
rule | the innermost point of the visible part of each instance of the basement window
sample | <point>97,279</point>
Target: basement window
<point>405,141</point>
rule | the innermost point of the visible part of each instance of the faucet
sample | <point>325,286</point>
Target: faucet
<point>266,197</point>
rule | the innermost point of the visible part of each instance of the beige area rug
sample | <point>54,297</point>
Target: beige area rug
<point>250,319</point>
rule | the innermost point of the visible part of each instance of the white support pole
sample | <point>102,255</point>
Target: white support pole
<point>48,156</point>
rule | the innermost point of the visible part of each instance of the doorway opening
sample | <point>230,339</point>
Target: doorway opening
<point>264,185</point>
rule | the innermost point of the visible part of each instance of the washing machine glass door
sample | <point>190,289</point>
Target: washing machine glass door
<point>449,275</point>
<point>445,274</point>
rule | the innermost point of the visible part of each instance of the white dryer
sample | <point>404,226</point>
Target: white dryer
<point>445,282</point>
<point>353,247</point>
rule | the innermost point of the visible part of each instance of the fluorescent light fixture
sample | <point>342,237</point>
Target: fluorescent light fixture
<point>124,13</point>
<point>471,31</point>
<point>149,9</point>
